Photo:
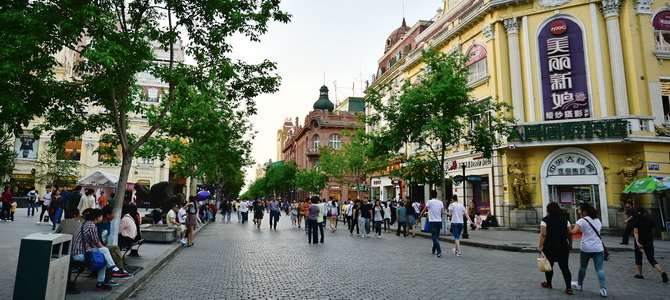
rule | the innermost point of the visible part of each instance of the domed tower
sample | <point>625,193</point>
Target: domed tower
<point>396,35</point>
<point>324,102</point>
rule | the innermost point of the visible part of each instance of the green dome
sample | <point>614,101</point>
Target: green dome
<point>323,102</point>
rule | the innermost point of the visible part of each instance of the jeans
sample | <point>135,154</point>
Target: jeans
<point>598,258</point>
<point>228,213</point>
<point>378,227</point>
<point>32,207</point>
<point>274,215</point>
<point>55,218</point>
<point>403,226</point>
<point>387,224</point>
<point>456,229</point>
<point>312,231</point>
<point>245,217</point>
<point>108,260</point>
<point>354,223</point>
<point>239,216</point>
<point>364,223</point>
<point>435,228</point>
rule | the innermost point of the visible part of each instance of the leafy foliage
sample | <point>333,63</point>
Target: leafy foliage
<point>437,112</point>
<point>311,181</point>
<point>50,168</point>
<point>7,155</point>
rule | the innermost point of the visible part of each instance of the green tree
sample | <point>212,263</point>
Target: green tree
<point>438,112</point>
<point>51,168</point>
<point>311,181</point>
<point>115,41</point>
<point>280,179</point>
<point>351,164</point>
<point>7,155</point>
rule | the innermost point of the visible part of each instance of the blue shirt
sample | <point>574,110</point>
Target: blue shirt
<point>101,228</point>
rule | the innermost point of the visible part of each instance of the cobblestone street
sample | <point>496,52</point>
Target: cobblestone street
<point>235,261</point>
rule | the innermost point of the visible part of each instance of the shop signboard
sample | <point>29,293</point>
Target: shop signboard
<point>563,76</point>
<point>584,130</point>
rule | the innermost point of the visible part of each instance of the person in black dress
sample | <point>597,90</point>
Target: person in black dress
<point>556,243</point>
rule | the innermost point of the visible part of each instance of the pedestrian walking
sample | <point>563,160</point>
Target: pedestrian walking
<point>6,203</point>
<point>411,217</point>
<point>435,209</point>
<point>378,218</point>
<point>86,202</point>
<point>55,208</point>
<point>301,215</point>
<point>304,209</point>
<point>333,212</point>
<point>365,217</point>
<point>401,214</point>
<point>631,213</point>
<point>258,208</point>
<point>591,247</point>
<point>354,212</point>
<point>275,212</point>
<point>321,218</point>
<point>294,214</point>
<point>312,218</point>
<point>387,216</point>
<point>32,201</point>
<point>457,214</point>
<point>244,210</point>
<point>556,244</point>
<point>237,211</point>
<point>46,201</point>
<point>643,231</point>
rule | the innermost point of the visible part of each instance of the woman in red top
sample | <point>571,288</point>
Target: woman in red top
<point>6,203</point>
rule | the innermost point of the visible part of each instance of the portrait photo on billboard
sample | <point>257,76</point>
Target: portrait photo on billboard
<point>26,147</point>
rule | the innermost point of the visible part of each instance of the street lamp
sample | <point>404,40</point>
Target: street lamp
<point>465,220</point>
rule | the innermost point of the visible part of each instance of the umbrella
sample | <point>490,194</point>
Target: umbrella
<point>647,185</point>
<point>203,195</point>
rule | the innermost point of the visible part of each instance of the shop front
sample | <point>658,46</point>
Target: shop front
<point>572,176</point>
<point>476,185</point>
<point>385,188</point>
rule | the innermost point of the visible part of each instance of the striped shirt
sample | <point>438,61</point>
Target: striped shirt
<point>86,236</point>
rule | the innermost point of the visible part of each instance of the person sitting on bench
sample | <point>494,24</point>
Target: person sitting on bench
<point>86,239</point>
<point>71,223</point>
<point>104,229</point>
<point>127,229</point>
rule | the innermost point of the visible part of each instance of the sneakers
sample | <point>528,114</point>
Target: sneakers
<point>111,283</point>
<point>102,287</point>
<point>603,292</point>
<point>459,254</point>
<point>439,255</point>
<point>120,273</point>
<point>183,241</point>
<point>379,236</point>
<point>38,222</point>
<point>575,285</point>
<point>454,251</point>
<point>665,277</point>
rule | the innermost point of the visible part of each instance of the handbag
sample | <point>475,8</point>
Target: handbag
<point>94,260</point>
<point>607,254</point>
<point>543,263</point>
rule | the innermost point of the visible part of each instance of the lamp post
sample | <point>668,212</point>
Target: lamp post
<point>465,220</point>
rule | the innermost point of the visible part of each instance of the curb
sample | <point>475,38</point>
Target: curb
<point>128,289</point>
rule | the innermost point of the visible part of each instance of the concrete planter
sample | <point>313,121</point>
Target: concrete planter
<point>158,233</point>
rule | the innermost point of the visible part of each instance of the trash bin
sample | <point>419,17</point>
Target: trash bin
<point>44,262</point>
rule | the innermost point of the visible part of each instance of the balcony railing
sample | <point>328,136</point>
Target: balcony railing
<point>313,151</point>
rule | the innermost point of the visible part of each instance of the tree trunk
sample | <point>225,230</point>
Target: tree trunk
<point>126,163</point>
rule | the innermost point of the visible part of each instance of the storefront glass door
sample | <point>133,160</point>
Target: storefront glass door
<point>569,196</point>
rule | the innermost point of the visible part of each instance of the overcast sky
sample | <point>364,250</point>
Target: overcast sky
<point>342,39</point>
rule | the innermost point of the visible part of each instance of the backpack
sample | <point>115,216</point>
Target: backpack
<point>32,196</point>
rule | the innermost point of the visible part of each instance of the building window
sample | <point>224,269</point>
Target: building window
<point>335,142</point>
<point>145,161</point>
<point>477,64</point>
<point>661,23</point>
<point>317,141</point>
<point>152,94</point>
<point>665,98</point>
<point>73,150</point>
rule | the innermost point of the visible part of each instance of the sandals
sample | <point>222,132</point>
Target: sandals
<point>638,276</point>
<point>544,284</point>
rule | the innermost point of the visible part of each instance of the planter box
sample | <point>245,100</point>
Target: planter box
<point>158,233</point>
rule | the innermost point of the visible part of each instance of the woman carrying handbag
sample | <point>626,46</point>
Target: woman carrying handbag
<point>556,244</point>
<point>591,246</point>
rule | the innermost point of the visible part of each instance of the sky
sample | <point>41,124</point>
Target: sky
<point>331,42</point>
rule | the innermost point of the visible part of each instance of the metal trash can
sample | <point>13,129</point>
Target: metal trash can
<point>44,262</point>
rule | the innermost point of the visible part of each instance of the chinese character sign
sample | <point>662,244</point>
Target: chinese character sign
<point>565,92</point>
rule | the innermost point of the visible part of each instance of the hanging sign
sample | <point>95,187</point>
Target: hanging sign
<point>563,77</point>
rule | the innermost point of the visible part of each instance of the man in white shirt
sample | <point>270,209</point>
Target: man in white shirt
<point>181,215</point>
<point>435,210</point>
<point>457,213</point>
<point>87,201</point>
<point>244,210</point>
<point>46,201</point>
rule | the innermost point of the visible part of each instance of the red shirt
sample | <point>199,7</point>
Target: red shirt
<point>7,197</point>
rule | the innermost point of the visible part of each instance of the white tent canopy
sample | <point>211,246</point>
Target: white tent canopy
<point>100,178</point>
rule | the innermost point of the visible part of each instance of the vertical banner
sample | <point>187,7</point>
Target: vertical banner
<point>563,77</point>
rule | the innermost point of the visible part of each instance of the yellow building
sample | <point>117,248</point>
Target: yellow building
<point>589,88</point>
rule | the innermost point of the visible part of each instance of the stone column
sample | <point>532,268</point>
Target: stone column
<point>512,28</point>
<point>610,10</point>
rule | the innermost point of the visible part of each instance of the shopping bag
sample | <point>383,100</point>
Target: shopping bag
<point>543,263</point>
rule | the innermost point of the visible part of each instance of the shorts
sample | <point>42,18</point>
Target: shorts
<point>412,220</point>
<point>456,229</point>
<point>180,228</point>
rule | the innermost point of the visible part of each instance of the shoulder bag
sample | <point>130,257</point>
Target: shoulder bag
<point>607,254</point>
<point>543,263</point>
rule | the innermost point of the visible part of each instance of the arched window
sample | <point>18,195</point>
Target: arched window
<point>152,95</point>
<point>335,142</point>
<point>317,141</point>
<point>477,64</point>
